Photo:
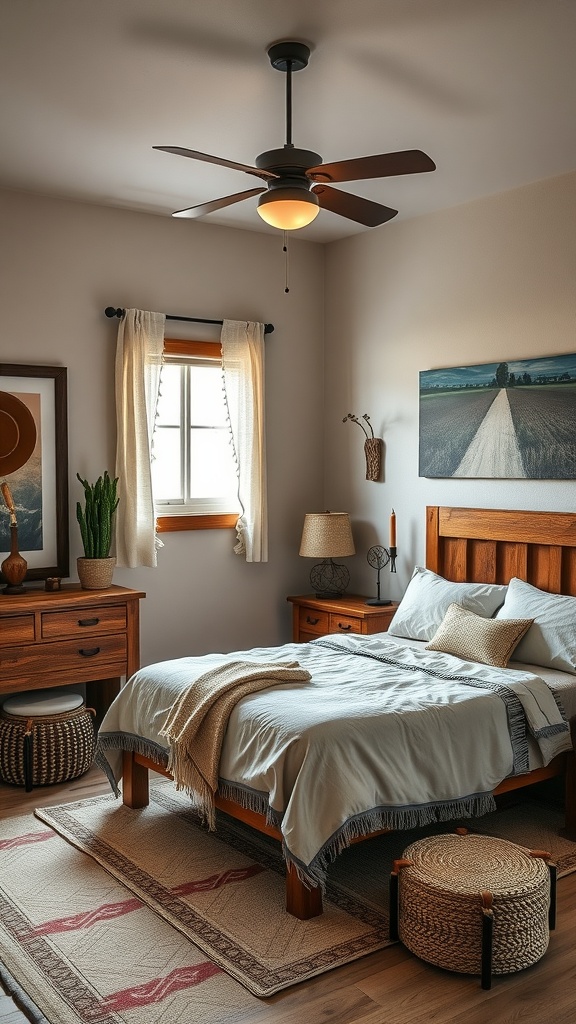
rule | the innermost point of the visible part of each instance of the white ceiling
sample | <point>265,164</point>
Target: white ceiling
<point>487,88</point>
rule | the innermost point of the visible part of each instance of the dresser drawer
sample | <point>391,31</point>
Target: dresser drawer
<point>83,621</point>
<point>304,638</point>
<point>65,661</point>
<point>311,620</point>
<point>17,629</point>
<point>345,623</point>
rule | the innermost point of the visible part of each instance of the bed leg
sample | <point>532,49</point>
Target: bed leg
<point>570,785</point>
<point>301,902</point>
<point>134,782</point>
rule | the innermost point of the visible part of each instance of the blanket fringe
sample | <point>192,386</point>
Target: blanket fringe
<point>393,820</point>
<point>379,819</point>
<point>133,744</point>
<point>250,800</point>
<point>199,793</point>
<point>102,763</point>
<point>552,730</point>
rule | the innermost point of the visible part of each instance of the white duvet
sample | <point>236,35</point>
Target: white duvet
<point>384,736</point>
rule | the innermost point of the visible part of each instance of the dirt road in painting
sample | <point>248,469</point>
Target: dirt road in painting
<point>494,451</point>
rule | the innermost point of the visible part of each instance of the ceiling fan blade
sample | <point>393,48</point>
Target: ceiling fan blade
<point>217,204</point>
<point>195,155</point>
<point>408,161</point>
<point>364,211</point>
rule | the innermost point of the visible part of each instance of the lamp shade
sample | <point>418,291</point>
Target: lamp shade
<point>326,535</point>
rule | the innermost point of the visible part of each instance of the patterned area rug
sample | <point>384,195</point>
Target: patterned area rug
<point>179,913</point>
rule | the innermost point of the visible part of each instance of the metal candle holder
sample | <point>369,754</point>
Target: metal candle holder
<point>393,553</point>
<point>379,557</point>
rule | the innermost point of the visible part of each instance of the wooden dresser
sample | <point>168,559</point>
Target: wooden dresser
<point>70,636</point>
<point>315,616</point>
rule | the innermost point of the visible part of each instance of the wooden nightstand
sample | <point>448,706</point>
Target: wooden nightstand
<point>315,616</point>
<point>70,636</point>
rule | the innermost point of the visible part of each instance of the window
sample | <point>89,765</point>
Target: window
<point>193,468</point>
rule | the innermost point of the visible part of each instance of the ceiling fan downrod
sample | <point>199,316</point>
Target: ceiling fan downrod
<point>289,56</point>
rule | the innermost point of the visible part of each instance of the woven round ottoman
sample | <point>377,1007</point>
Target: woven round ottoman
<point>46,736</point>
<point>473,903</point>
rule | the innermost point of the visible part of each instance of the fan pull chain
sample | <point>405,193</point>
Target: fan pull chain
<point>286,261</point>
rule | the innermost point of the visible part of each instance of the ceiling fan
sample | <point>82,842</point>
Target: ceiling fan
<point>298,184</point>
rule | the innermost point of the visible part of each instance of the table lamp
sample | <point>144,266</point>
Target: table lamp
<point>327,535</point>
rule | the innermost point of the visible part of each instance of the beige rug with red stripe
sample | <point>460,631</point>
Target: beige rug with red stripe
<point>165,922</point>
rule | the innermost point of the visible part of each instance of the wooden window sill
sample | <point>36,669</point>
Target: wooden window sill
<point>218,521</point>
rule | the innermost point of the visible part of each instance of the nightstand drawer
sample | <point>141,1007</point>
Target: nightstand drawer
<point>345,624</point>
<point>312,620</point>
<point>83,621</point>
<point>17,629</point>
<point>313,616</point>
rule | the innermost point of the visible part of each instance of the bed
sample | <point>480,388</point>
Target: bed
<point>470,729</point>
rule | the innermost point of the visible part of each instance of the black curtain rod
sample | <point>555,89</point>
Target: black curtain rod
<point>110,311</point>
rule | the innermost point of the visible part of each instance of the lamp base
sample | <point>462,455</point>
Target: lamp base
<point>377,601</point>
<point>329,579</point>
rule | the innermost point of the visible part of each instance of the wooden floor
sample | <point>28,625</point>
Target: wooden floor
<point>390,987</point>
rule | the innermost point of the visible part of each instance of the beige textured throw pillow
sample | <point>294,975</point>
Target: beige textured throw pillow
<point>473,638</point>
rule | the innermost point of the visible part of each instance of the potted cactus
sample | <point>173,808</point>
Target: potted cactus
<point>96,568</point>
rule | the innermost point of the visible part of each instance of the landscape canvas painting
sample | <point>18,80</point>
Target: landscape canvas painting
<point>508,420</point>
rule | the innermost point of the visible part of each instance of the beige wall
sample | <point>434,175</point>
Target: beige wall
<point>62,263</point>
<point>487,281</point>
<point>492,280</point>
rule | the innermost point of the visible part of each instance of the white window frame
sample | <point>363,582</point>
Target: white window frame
<point>206,512</point>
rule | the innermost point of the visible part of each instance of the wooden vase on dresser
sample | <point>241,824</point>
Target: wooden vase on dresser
<point>316,616</point>
<point>68,637</point>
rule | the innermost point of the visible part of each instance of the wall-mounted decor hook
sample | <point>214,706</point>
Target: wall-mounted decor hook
<point>372,446</point>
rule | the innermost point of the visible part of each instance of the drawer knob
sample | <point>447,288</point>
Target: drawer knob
<point>312,622</point>
<point>90,652</point>
<point>343,627</point>
<point>88,622</point>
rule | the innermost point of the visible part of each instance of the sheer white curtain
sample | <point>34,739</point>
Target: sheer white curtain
<point>138,362</point>
<point>243,375</point>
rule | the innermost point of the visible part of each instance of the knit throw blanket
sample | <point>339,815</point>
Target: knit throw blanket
<point>197,721</point>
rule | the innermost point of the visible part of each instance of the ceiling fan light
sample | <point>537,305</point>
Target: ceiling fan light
<point>288,208</point>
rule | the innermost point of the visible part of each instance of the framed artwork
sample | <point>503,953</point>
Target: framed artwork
<point>510,420</point>
<point>40,487</point>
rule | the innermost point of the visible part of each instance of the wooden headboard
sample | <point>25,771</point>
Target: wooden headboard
<point>484,545</point>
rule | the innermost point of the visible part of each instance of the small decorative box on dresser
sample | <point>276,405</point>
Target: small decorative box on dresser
<point>70,636</point>
<point>315,616</point>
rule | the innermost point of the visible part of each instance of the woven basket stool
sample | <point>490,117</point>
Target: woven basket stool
<point>473,903</point>
<point>46,736</point>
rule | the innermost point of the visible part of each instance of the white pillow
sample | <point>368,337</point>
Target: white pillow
<point>428,597</point>
<point>551,639</point>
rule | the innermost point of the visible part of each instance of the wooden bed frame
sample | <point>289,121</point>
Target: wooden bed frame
<point>463,545</point>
